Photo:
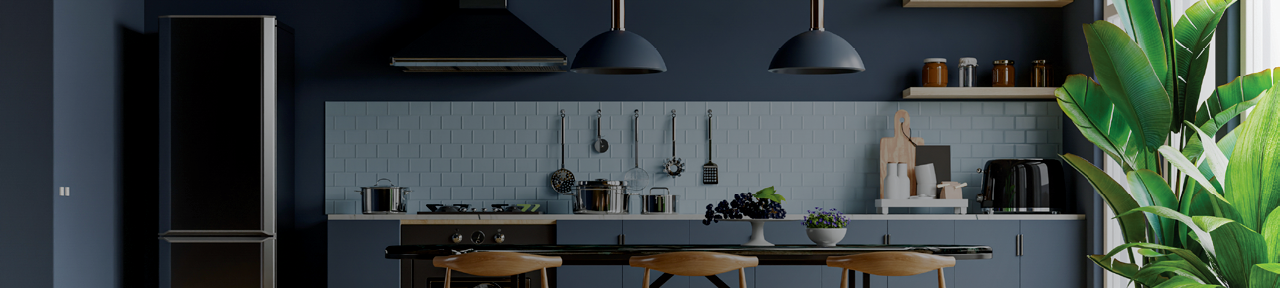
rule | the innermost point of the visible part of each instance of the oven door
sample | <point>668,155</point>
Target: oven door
<point>516,281</point>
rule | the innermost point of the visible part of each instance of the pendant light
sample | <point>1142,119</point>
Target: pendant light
<point>618,51</point>
<point>816,51</point>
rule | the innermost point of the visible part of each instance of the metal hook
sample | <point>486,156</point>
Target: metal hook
<point>561,113</point>
<point>598,112</point>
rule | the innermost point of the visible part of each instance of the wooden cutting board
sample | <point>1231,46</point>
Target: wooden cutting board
<point>899,149</point>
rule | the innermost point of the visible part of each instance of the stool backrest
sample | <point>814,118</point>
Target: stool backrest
<point>496,263</point>
<point>694,263</point>
<point>892,263</point>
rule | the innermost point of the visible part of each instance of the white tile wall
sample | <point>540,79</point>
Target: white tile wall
<point>814,153</point>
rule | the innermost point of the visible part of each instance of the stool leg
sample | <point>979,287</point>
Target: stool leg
<point>844,278</point>
<point>942,282</point>
<point>447,276</point>
<point>646,277</point>
<point>545,282</point>
<point>742,277</point>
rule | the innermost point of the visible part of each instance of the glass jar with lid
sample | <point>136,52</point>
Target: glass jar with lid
<point>1040,74</point>
<point>934,73</point>
<point>1002,75</point>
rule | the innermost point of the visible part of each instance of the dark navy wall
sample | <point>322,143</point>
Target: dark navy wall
<point>88,91</point>
<point>1087,201</point>
<point>716,50</point>
<point>26,143</point>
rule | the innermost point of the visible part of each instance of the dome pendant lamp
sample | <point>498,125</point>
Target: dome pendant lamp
<point>618,51</point>
<point>816,51</point>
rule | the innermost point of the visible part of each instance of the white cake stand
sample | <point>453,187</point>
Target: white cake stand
<point>757,230</point>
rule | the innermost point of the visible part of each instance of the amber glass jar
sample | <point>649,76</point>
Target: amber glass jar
<point>934,73</point>
<point>1002,75</point>
<point>1040,74</point>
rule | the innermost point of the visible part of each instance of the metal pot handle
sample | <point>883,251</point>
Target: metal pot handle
<point>375,183</point>
<point>656,188</point>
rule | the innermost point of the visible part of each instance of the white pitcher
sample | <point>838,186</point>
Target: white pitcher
<point>904,181</point>
<point>892,183</point>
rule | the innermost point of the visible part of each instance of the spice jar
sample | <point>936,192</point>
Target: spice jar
<point>968,70</point>
<point>1040,74</point>
<point>1002,75</point>
<point>934,73</point>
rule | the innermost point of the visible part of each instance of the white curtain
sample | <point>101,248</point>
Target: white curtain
<point>1261,35</point>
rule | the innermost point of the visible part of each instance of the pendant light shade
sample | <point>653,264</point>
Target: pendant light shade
<point>618,51</point>
<point>816,51</point>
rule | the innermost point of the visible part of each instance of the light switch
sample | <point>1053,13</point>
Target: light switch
<point>64,191</point>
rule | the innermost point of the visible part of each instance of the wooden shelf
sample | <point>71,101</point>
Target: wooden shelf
<point>986,3</point>
<point>1036,93</point>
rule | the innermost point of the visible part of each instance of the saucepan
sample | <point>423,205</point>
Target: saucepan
<point>383,199</point>
<point>658,203</point>
<point>601,197</point>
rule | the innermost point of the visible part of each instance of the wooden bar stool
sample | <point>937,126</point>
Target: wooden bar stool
<point>495,264</point>
<point>890,264</point>
<point>706,264</point>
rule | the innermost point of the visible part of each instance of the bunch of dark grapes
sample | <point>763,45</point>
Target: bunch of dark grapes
<point>747,205</point>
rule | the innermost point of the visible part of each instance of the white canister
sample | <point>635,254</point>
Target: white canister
<point>926,181</point>
<point>891,182</point>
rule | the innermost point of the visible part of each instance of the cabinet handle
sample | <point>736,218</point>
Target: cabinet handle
<point>1019,245</point>
<point>622,239</point>
<point>886,239</point>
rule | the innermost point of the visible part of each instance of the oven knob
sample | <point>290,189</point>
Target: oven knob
<point>457,237</point>
<point>499,237</point>
<point>477,237</point>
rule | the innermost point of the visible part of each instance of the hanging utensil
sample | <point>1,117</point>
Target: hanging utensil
<point>601,145</point>
<point>710,172</point>
<point>674,166</point>
<point>562,180</point>
<point>637,178</point>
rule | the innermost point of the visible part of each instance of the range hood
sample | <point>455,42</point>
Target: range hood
<point>482,37</point>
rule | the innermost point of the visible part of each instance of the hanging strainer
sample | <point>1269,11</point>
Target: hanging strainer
<point>562,180</point>
<point>637,179</point>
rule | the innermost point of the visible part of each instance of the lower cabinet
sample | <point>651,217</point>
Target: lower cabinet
<point>588,232</point>
<point>356,253</point>
<point>1053,254</point>
<point>1004,268</point>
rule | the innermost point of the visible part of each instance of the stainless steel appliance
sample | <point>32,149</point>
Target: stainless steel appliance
<point>226,101</point>
<point>383,199</point>
<point>1023,186</point>
<point>601,197</point>
<point>420,273</point>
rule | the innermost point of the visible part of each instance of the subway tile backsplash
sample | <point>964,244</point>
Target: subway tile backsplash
<point>814,153</point>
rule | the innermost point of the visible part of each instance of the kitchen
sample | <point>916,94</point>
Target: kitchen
<point>814,138</point>
<point>485,139</point>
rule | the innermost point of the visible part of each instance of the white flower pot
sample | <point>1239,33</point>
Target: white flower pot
<point>825,237</point>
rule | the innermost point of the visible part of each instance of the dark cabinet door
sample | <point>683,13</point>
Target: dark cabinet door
<point>1053,253</point>
<point>214,262</point>
<point>356,254</point>
<point>1002,269</point>
<point>922,232</point>
<point>588,232</point>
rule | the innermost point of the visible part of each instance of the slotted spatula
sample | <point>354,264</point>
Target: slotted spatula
<point>710,172</point>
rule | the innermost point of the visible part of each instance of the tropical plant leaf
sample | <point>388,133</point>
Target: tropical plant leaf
<point>1271,234</point>
<point>1133,225</point>
<point>1265,276</point>
<point>1148,189</point>
<point>1192,35</point>
<point>1213,155</point>
<point>1205,240</point>
<point>1231,99</point>
<point>1175,158</point>
<point>1126,75</point>
<point>1255,163</point>
<point>1154,274</point>
<point>1183,282</point>
<point>1138,19</point>
<point>1238,249</point>
<point>1185,255</point>
<point>1126,270</point>
<point>1084,101</point>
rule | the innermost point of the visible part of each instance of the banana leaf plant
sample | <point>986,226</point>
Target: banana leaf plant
<point>1199,211</point>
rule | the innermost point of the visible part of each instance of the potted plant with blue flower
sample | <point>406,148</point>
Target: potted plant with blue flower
<point>825,227</point>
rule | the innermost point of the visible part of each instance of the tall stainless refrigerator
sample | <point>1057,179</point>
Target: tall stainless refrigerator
<point>226,87</point>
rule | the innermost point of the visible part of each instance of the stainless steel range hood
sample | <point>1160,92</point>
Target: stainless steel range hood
<point>482,37</point>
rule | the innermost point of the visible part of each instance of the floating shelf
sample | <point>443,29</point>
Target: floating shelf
<point>986,3</point>
<point>1038,93</point>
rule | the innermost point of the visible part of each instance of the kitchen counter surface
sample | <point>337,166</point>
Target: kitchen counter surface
<point>424,219</point>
